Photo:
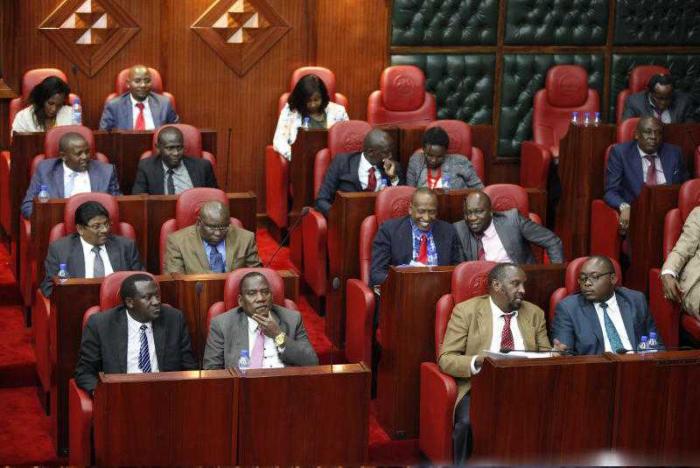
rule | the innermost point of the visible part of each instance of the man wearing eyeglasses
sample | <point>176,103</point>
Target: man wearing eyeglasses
<point>601,317</point>
<point>211,245</point>
<point>91,252</point>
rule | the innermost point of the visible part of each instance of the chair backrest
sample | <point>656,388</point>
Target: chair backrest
<point>190,201</point>
<point>508,196</point>
<point>574,268</point>
<point>54,135</point>
<point>688,200</point>
<point>625,130</point>
<point>109,289</point>
<point>326,75</point>
<point>566,90</point>
<point>688,197</point>
<point>72,204</point>
<point>638,80</point>
<point>460,134</point>
<point>233,281</point>
<point>401,97</point>
<point>392,202</point>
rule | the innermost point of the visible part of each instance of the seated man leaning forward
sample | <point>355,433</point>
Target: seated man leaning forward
<point>502,236</point>
<point>138,336</point>
<point>419,238</point>
<point>211,245</point>
<point>602,317</point>
<point>497,321</point>
<point>273,336</point>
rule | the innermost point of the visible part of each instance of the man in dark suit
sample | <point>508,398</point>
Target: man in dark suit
<point>646,160</point>
<point>502,236</point>
<point>417,239</point>
<point>93,251</point>
<point>601,317</point>
<point>272,335</point>
<point>660,100</point>
<point>138,336</point>
<point>72,172</point>
<point>139,108</point>
<point>170,172</point>
<point>368,171</point>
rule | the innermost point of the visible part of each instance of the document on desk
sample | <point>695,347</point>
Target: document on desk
<point>517,355</point>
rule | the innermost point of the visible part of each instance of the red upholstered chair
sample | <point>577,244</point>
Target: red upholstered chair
<point>438,391</point>
<point>120,86</point>
<point>186,212</point>
<point>276,166</point>
<point>668,314</point>
<point>193,143</point>
<point>460,134</point>
<point>566,90</point>
<point>638,80</point>
<point>401,97</point>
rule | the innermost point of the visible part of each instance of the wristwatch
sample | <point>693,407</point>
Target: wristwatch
<point>623,205</point>
<point>280,339</point>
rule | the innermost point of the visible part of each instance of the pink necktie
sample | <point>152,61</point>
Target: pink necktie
<point>256,360</point>
<point>651,170</point>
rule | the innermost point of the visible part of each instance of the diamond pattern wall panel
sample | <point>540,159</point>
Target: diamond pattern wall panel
<point>462,84</point>
<point>657,22</point>
<point>523,76</point>
<point>444,23</point>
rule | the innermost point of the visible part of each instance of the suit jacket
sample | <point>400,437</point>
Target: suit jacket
<point>681,109</point>
<point>576,321</point>
<point>516,233</point>
<point>457,168</point>
<point>150,176</point>
<point>185,252</point>
<point>117,113</point>
<point>342,175</point>
<point>105,342</point>
<point>469,332</point>
<point>625,178</point>
<point>684,261</point>
<point>49,172</point>
<point>122,252</point>
<point>228,335</point>
<point>393,245</point>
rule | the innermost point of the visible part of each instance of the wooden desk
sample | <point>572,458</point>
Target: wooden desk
<point>301,171</point>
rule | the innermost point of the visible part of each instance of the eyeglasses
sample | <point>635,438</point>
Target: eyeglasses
<point>97,227</point>
<point>593,277</point>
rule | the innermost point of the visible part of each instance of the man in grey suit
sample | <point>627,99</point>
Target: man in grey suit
<point>502,236</point>
<point>660,100</point>
<point>139,108</point>
<point>434,168</point>
<point>273,336</point>
<point>93,251</point>
<point>72,172</point>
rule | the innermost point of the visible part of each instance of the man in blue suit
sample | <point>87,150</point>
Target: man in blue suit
<point>602,317</point>
<point>646,160</point>
<point>140,108</point>
<point>71,173</point>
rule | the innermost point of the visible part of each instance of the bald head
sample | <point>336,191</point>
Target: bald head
<point>477,211</point>
<point>139,82</point>
<point>213,222</point>
<point>649,134</point>
<point>214,209</point>
<point>74,151</point>
<point>377,146</point>
<point>68,139</point>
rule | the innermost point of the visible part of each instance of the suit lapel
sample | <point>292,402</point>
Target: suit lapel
<point>486,320</point>
<point>354,167</point>
<point>627,313</point>
<point>666,165</point>
<point>58,178</point>
<point>159,337</point>
<point>240,333</point>
<point>636,163</point>
<point>230,250</point>
<point>113,253</point>
<point>527,331</point>
<point>503,234</point>
<point>591,316</point>
<point>158,184</point>
<point>154,105</point>
<point>197,246</point>
<point>121,337</point>
<point>95,185</point>
<point>192,171</point>
<point>127,112</point>
<point>76,259</point>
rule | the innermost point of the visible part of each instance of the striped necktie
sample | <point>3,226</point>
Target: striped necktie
<point>144,355</point>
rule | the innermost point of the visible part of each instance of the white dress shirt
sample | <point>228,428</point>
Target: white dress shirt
<point>363,175</point>
<point>493,247</point>
<point>89,257</point>
<point>147,116</point>
<point>181,178</point>
<point>616,317</point>
<point>81,182</point>
<point>660,177</point>
<point>497,324</point>
<point>133,347</point>
<point>271,354</point>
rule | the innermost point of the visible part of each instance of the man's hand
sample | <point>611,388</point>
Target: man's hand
<point>559,346</point>
<point>625,212</point>
<point>479,361</point>
<point>672,290</point>
<point>268,325</point>
<point>390,169</point>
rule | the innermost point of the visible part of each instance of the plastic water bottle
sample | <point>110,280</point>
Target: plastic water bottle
<point>643,345</point>
<point>77,114</point>
<point>305,124</point>
<point>596,119</point>
<point>62,273</point>
<point>586,119</point>
<point>243,361</point>
<point>43,194</point>
<point>653,343</point>
<point>574,119</point>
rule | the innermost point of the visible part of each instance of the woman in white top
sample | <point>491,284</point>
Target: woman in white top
<point>308,103</point>
<point>47,107</point>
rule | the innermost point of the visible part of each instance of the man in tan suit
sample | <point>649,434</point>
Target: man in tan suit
<point>211,245</point>
<point>485,323</point>
<point>683,263</point>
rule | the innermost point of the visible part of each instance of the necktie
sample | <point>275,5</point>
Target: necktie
<point>170,182</point>
<point>610,330</point>
<point>423,250</point>
<point>507,334</point>
<point>140,123</point>
<point>480,252</point>
<point>71,184</point>
<point>371,180</point>
<point>216,261</point>
<point>99,266</point>
<point>256,361</point>
<point>651,170</point>
<point>144,355</point>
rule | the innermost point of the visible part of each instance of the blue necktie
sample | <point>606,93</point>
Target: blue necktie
<point>216,261</point>
<point>610,330</point>
<point>144,355</point>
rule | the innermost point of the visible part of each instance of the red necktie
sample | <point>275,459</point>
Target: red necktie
<point>651,170</point>
<point>507,334</point>
<point>371,180</point>
<point>480,252</point>
<point>423,250</point>
<point>140,119</point>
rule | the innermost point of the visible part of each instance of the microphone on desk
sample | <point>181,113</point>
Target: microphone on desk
<point>508,350</point>
<point>198,287</point>
<point>663,348</point>
<point>304,211</point>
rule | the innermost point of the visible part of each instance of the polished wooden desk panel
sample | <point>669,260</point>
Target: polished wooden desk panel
<point>167,418</point>
<point>301,170</point>
<point>304,416</point>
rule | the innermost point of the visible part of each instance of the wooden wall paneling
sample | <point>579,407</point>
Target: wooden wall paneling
<point>7,56</point>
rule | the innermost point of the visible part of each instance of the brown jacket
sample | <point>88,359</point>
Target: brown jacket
<point>684,261</point>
